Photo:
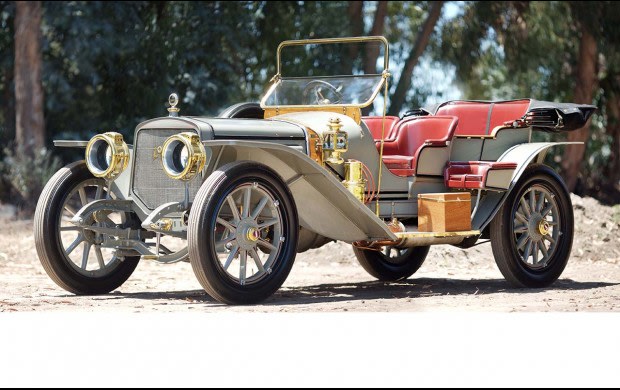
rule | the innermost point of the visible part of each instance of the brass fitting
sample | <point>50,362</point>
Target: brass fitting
<point>335,142</point>
<point>354,179</point>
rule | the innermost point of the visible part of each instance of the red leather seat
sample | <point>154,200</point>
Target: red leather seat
<point>375,124</point>
<point>480,118</point>
<point>410,136</point>
<point>472,174</point>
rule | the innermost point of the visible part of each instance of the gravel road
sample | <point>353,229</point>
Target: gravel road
<point>329,279</point>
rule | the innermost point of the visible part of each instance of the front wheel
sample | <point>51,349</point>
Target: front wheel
<point>72,256</point>
<point>392,264</point>
<point>242,233</point>
<point>532,234</point>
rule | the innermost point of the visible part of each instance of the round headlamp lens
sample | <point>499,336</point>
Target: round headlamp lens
<point>100,157</point>
<point>183,156</point>
<point>107,155</point>
<point>173,159</point>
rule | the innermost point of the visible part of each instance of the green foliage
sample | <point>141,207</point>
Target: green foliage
<point>28,174</point>
<point>7,108</point>
<point>110,65</point>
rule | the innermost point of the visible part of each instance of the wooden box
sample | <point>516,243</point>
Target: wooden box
<point>444,212</point>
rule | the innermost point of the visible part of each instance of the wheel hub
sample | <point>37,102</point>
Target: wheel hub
<point>248,234</point>
<point>537,227</point>
<point>543,227</point>
<point>253,234</point>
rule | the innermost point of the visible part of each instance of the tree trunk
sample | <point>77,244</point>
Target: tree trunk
<point>373,51</point>
<point>398,99</point>
<point>356,20</point>
<point>400,95</point>
<point>613,129</point>
<point>29,122</point>
<point>585,85</point>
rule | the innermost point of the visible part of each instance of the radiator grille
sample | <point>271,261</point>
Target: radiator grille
<point>150,183</point>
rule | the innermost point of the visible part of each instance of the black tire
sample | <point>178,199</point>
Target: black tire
<point>505,235</point>
<point>48,241</point>
<point>387,268</point>
<point>202,226</point>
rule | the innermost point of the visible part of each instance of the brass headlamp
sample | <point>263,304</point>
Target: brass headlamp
<point>107,155</point>
<point>183,156</point>
<point>335,142</point>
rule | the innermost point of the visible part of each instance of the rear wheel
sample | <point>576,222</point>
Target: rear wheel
<point>532,234</point>
<point>74,257</point>
<point>242,233</point>
<point>392,264</point>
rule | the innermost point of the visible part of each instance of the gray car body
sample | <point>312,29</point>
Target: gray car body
<point>324,205</point>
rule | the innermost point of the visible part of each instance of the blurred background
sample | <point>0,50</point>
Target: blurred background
<point>70,70</point>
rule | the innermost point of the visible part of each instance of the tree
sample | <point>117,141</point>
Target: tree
<point>404,83</point>
<point>516,49</point>
<point>586,76</point>
<point>29,123</point>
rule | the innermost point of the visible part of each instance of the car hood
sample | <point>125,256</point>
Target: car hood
<point>251,129</point>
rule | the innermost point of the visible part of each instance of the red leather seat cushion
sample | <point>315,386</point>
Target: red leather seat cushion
<point>398,162</point>
<point>375,124</point>
<point>471,174</point>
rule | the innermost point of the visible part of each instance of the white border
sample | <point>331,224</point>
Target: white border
<point>293,350</point>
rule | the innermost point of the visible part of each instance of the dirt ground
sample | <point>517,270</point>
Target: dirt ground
<point>329,279</point>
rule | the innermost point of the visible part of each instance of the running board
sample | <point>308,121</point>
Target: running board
<point>413,238</point>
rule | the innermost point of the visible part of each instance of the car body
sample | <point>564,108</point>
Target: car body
<point>244,192</point>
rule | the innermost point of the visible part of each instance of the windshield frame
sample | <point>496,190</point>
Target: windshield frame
<point>278,78</point>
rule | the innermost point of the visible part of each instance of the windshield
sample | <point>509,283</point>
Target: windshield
<point>317,91</point>
<point>323,72</point>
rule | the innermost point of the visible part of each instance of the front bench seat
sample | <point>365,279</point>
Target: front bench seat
<point>375,124</point>
<point>415,139</point>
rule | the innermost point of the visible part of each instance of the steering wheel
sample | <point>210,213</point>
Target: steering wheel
<point>320,92</point>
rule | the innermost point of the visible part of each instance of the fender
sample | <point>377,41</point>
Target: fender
<point>324,205</point>
<point>523,155</point>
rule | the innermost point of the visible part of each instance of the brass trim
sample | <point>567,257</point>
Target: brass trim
<point>196,155</point>
<point>544,227</point>
<point>120,155</point>
<point>315,146</point>
<point>466,233</point>
<point>335,142</point>
<point>252,234</point>
<point>354,179</point>
<point>354,113</point>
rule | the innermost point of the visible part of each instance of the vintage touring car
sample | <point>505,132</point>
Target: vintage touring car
<point>238,196</point>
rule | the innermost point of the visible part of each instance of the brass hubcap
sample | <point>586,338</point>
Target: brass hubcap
<point>544,227</point>
<point>253,234</point>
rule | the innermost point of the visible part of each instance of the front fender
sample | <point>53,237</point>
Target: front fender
<point>523,155</point>
<point>324,205</point>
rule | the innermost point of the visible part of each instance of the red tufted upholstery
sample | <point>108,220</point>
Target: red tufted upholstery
<point>476,118</point>
<point>410,136</point>
<point>472,174</point>
<point>374,124</point>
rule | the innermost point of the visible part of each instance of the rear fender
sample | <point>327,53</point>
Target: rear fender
<point>523,155</point>
<point>324,205</point>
